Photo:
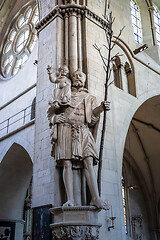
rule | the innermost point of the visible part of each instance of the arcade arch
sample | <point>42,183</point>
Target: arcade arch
<point>15,173</point>
<point>141,171</point>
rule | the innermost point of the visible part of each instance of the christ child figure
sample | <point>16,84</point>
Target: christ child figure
<point>62,94</point>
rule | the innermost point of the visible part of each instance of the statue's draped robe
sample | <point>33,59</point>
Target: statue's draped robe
<point>76,136</point>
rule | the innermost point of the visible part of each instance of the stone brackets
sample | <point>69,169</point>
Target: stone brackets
<point>62,11</point>
<point>72,223</point>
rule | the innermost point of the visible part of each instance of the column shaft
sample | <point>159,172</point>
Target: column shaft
<point>79,42</point>
<point>66,39</point>
<point>73,43</point>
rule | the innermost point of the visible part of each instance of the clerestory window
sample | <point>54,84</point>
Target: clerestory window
<point>156,15</point>
<point>124,208</point>
<point>19,42</point>
<point>136,21</point>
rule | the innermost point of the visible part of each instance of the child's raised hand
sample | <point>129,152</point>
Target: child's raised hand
<point>49,69</point>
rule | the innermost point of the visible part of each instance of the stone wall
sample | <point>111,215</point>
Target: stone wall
<point>123,104</point>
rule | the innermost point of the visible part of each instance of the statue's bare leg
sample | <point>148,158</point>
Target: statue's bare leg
<point>68,182</point>
<point>92,184</point>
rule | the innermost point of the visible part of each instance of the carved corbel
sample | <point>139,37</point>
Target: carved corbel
<point>73,12</point>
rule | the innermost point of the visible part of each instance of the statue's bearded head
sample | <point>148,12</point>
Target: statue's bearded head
<point>78,79</point>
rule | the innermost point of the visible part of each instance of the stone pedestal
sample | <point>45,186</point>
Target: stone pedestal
<point>75,223</point>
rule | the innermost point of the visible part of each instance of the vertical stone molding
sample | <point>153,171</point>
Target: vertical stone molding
<point>66,38</point>
<point>73,39</point>
<point>60,42</point>
<point>79,38</point>
<point>73,60</point>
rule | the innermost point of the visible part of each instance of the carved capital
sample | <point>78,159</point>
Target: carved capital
<point>75,232</point>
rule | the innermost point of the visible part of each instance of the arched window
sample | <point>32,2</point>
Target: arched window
<point>136,21</point>
<point>20,41</point>
<point>124,206</point>
<point>156,15</point>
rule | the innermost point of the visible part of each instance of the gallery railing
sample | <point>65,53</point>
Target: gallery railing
<point>17,120</point>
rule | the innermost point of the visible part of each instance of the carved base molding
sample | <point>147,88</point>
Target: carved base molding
<point>75,223</point>
<point>75,232</point>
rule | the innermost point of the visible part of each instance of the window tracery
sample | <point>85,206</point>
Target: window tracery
<point>19,42</point>
<point>136,21</point>
<point>124,207</point>
<point>123,73</point>
<point>156,16</point>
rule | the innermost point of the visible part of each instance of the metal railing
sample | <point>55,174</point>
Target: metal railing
<point>17,120</point>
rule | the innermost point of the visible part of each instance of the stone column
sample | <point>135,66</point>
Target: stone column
<point>79,38</point>
<point>60,42</point>
<point>66,38</point>
<point>60,39</point>
<point>73,61</point>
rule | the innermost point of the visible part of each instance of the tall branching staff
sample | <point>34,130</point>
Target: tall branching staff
<point>107,67</point>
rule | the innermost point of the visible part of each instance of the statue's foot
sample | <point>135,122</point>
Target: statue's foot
<point>69,203</point>
<point>99,203</point>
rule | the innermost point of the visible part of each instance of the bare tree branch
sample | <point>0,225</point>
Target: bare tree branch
<point>99,50</point>
<point>117,38</point>
<point>113,20</point>
<point>105,69</point>
<point>107,37</point>
<point>105,46</point>
<point>106,65</point>
<point>109,74</point>
<point>111,83</point>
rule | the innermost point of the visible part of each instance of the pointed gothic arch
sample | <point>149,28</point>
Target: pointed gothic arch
<point>140,170</point>
<point>16,171</point>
